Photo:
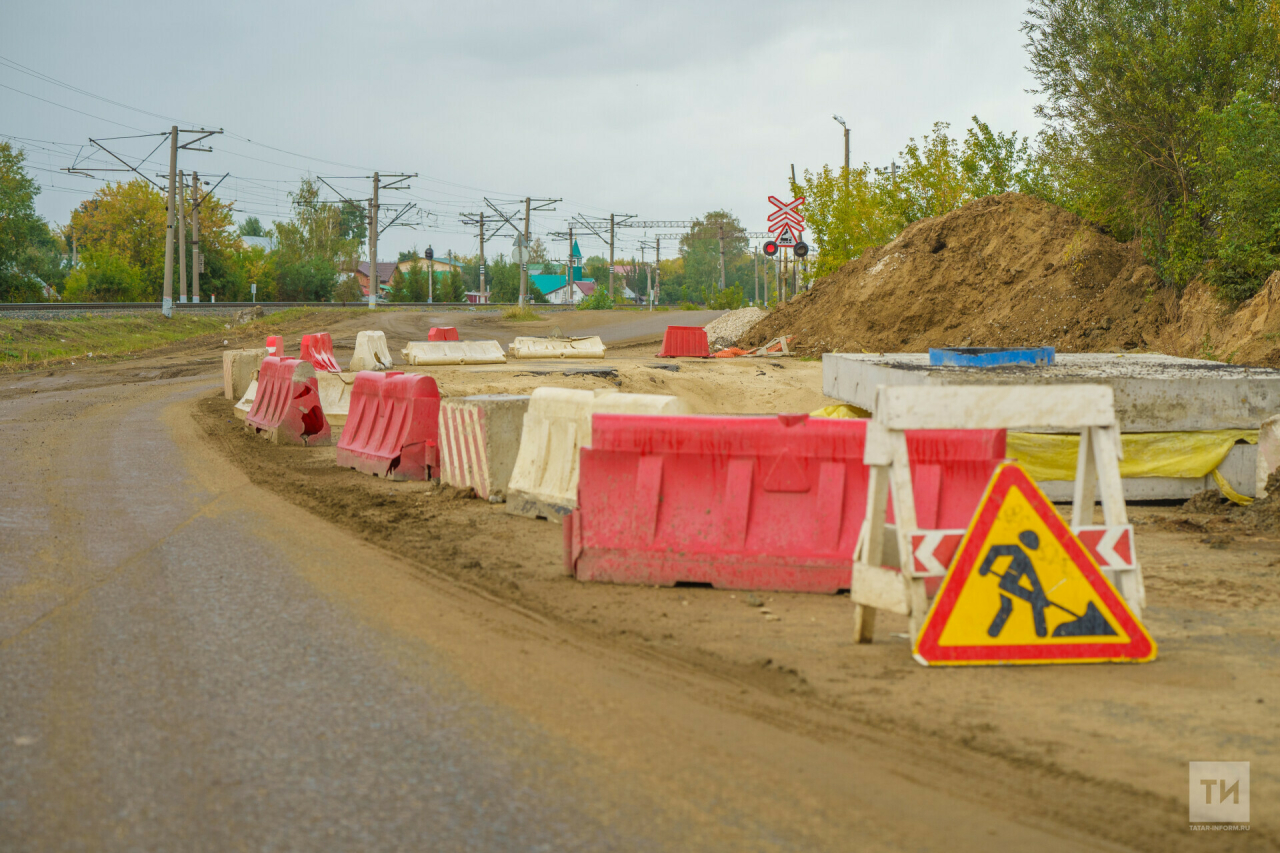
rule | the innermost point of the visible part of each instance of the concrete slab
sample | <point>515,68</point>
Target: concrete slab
<point>1154,393</point>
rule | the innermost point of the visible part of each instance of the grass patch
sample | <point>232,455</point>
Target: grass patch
<point>32,344</point>
<point>38,343</point>
<point>521,315</point>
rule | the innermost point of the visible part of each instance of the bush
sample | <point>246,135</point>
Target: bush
<point>348,290</point>
<point>521,315</point>
<point>730,297</point>
<point>689,306</point>
<point>103,277</point>
<point>597,301</point>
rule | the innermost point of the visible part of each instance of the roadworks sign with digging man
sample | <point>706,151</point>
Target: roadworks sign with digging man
<point>1023,589</point>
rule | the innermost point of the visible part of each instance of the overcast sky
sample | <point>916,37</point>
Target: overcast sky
<point>659,109</point>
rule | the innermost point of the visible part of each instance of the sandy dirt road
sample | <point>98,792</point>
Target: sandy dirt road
<point>213,644</point>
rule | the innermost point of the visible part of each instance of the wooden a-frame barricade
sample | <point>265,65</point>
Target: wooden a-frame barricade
<point>1089,409</point>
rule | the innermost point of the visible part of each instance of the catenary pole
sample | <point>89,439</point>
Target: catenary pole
<point>373,244</point>
<point>182,238</point>
<point>166,307</point>
<point>484,292</point>
<point>611,229</point>
<point>657,273</point>
<point>720,233</point>
<point>524,258</point>
<point>756,270</point>
<point>195,237</point>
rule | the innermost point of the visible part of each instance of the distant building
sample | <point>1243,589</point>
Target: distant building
<point>267,244</point>
<point>385,271</point>
<point>442,266</point>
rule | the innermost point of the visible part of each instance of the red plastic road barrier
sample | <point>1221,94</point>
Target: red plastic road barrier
<point>287,404</point>
<point>275,346</point>
<point>685,342</point>
<point>318,349</point>
<point>770,503</point>
<point>392,426</point>
<point>442,333</point>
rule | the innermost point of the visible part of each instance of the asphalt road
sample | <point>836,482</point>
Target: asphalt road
<point>188,663</point>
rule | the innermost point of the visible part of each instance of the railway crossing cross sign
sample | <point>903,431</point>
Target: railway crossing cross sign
<point>787,215</point>
<point>1022,588</point>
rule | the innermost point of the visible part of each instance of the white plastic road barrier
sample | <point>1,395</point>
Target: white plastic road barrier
<point>479,441</point>
<point>453,352</point>
<point>544,482</point>
<point>591,347</point>
<point>371,352</point>
<point>1268,455</point>
<point>246,401</point>
<point>335,395</point>
<point>239,366</point>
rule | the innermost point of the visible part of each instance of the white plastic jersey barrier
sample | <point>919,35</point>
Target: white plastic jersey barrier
<point>371,352</point>
<point>239,367</point>
<point>557,425</point>
<point>246,401</point>
<point>479,441</point>
<point>335,395</point>
<point>453,352</point>
<point>591,347</point>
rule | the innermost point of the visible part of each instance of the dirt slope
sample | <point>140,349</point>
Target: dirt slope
<point>1006,270</point>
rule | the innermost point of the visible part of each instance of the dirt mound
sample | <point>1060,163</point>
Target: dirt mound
<point>1007,270</point>
<point>1206,327</point>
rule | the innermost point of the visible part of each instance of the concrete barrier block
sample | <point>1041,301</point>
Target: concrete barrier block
<point>479,442</point>
<point>525,347</point>
<point>371,352</point>
<point>453,352</point>
<point>544,482</point>
<point>1268,454</point>
<point>238,369</point>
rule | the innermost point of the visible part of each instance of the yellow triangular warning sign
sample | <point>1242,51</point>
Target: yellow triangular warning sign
<point>1022,589</point>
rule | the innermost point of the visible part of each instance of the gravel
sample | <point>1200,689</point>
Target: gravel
<point>725,330</point>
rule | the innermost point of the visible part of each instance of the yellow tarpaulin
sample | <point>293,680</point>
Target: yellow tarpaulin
<point>842,410</point>
<point>1189,455</point>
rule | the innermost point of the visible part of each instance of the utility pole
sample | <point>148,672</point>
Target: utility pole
<point>76,168</point>
<point>484,293</point>
<point>431,275</point>
<point>524,258</point>
<point>568,267</point>
<point>657,274</point>
<point>720,233</point>
<point>373,244</point>
<point>611,230</point>
<point>166,307</point>
<point>756,268</point>
<point>196,261</point>
<point>182,239</point>
<point>846,148</point>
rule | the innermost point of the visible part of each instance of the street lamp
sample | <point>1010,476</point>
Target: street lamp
<point>846,142</point>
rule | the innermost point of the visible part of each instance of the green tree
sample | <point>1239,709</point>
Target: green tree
<point>311,248</point>
<point>306,280</point>
<point>104,277</point>
<point>1130,88</point>
<point>252,227</point>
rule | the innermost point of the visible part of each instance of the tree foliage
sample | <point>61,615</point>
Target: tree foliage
<point>848,212</point>
<point>30,253</point>
<point>1152,106</point>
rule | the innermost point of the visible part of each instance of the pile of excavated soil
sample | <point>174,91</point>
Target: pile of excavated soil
<point>1007,270</point>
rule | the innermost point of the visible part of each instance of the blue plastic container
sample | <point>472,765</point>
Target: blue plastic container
<point>990,356</point>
